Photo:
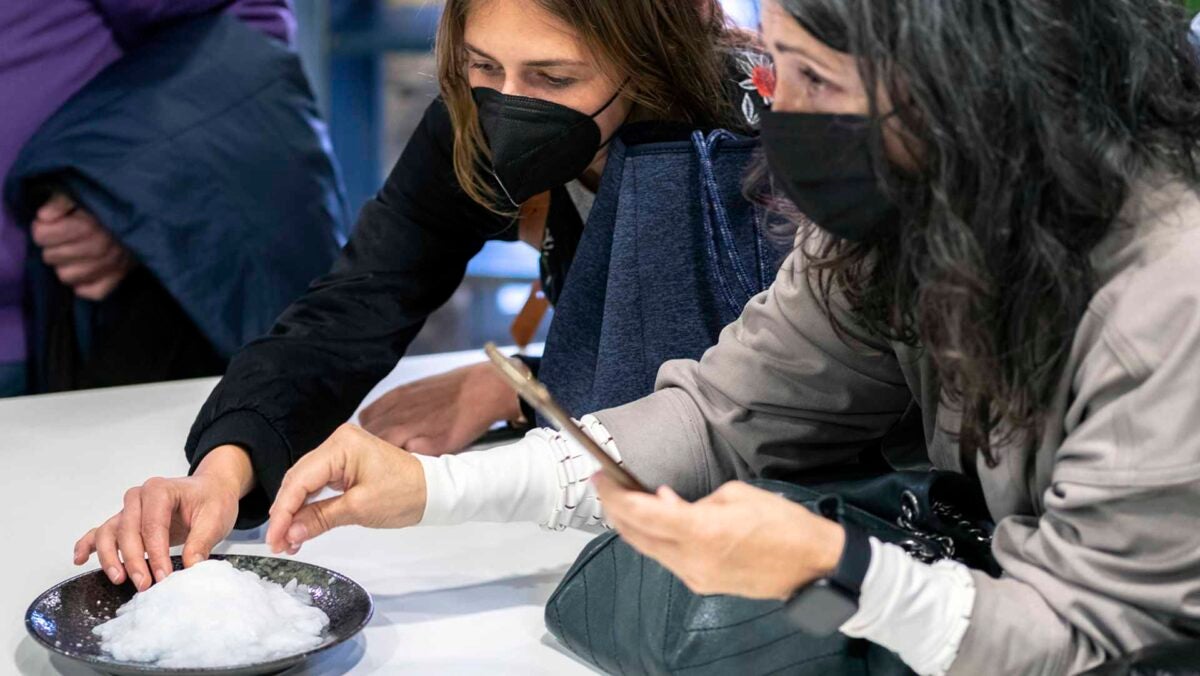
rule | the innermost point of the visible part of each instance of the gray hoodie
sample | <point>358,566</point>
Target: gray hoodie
<point>1098,517</point>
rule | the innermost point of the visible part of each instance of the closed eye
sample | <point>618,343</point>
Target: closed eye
<point>814,80</point>
<point>486,68</point>
<point>557,82</point>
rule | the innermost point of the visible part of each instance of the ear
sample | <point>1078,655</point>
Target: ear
<point>707,8</point>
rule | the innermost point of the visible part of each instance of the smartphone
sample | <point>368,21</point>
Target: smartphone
<point>517,375</point>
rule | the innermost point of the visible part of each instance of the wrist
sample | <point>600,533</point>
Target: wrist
<point>815,552</point>
<point>419,492</point>
<point>230,466</point>
<point>829,545</point>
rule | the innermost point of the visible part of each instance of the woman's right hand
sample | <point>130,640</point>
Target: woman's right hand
<point>382,487</point>
<point>197,511</point>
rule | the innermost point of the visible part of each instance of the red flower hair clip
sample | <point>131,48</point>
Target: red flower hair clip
<point>763,77</point>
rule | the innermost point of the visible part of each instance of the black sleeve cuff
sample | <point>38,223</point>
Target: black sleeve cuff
<point>269,455</point>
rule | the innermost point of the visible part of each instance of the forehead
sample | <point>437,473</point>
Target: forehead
<point>778,24</point>
<point>516,31</point>
<point>786,37</point>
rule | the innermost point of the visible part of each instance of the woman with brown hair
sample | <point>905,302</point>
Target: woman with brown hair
<point>512,154</point>
<point>534,93</point>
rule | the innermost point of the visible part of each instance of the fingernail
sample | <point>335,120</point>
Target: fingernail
<point>137,580</point>
<point>114,574</point>
<point>160,574</point>
<point>297,533</point>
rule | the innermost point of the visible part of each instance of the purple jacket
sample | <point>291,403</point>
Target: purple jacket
<point>48,51</point>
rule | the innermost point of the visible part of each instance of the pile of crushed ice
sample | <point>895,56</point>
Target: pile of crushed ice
<point>213,615</point>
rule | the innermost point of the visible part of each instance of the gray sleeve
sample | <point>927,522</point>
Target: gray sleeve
<point>1112,564</point>
<point>780,393</point>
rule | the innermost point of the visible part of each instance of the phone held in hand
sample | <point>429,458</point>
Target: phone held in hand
<point>517,375</point>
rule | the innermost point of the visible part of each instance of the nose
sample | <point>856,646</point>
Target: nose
<point>513,87</point>
<point>790,98</point>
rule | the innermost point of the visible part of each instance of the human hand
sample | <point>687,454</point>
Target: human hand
<point>740,540</point>
<point>85,256</point>
<point>196,511</point>
<point>444,413</point>
<point>383,487</point>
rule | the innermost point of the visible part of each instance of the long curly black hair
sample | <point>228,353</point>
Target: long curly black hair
<point>1032,120</point>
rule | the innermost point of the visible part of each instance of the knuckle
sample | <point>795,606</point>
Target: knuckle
<point>156,484</point>
<point>322,519</point>
<point>105,535</point>
<point>350,430</point>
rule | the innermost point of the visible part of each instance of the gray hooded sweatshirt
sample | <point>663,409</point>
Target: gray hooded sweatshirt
<point>1098,517</point>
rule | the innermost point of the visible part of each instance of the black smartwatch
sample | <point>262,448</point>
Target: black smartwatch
<point>821,607</point>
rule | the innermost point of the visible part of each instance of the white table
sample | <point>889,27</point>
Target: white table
<point>461,600</point>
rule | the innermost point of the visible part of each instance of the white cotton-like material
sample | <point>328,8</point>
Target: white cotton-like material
<point>544,478</point>
<point>213,615</point>
<point>918,611</point>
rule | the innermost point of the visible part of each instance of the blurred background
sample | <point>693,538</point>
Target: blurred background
<point>372,69</point>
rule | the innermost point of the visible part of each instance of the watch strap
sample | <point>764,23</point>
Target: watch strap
<point>852,567</point>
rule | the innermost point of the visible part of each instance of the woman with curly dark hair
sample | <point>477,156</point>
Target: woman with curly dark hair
<point>1013,250</point>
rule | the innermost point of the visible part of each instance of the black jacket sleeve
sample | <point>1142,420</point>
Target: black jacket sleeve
<point>283,394</point>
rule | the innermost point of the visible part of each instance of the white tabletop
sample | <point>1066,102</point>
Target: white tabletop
<point>464,599</point>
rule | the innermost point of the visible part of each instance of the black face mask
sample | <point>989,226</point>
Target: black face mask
<point>824,165</point>
<point>536,145</point>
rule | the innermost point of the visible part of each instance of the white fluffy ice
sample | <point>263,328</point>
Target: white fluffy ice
<point>213,615</point>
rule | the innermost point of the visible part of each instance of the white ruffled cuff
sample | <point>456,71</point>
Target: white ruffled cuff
<point>918,611</point>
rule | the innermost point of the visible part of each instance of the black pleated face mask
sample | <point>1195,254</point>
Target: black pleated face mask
<point>824,164</point>
<point>536,145</point>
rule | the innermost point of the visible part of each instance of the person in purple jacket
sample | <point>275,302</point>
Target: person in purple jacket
<point>48,52</point>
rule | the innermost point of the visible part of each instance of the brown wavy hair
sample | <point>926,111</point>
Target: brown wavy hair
<point>1033,122</point>
<point>671,53</point>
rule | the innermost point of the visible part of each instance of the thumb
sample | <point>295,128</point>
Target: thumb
<point>317,518</point>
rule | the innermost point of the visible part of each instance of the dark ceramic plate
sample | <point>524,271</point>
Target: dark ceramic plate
<point>62,618</point>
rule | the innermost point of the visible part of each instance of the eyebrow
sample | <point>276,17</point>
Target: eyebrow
<point>540,63</point>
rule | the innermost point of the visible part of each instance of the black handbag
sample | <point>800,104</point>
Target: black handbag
<point>624,613</point>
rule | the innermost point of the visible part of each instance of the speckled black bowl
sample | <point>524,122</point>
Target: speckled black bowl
<point>62,618</point>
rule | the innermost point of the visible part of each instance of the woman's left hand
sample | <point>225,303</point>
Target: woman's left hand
<point>740,540</point>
